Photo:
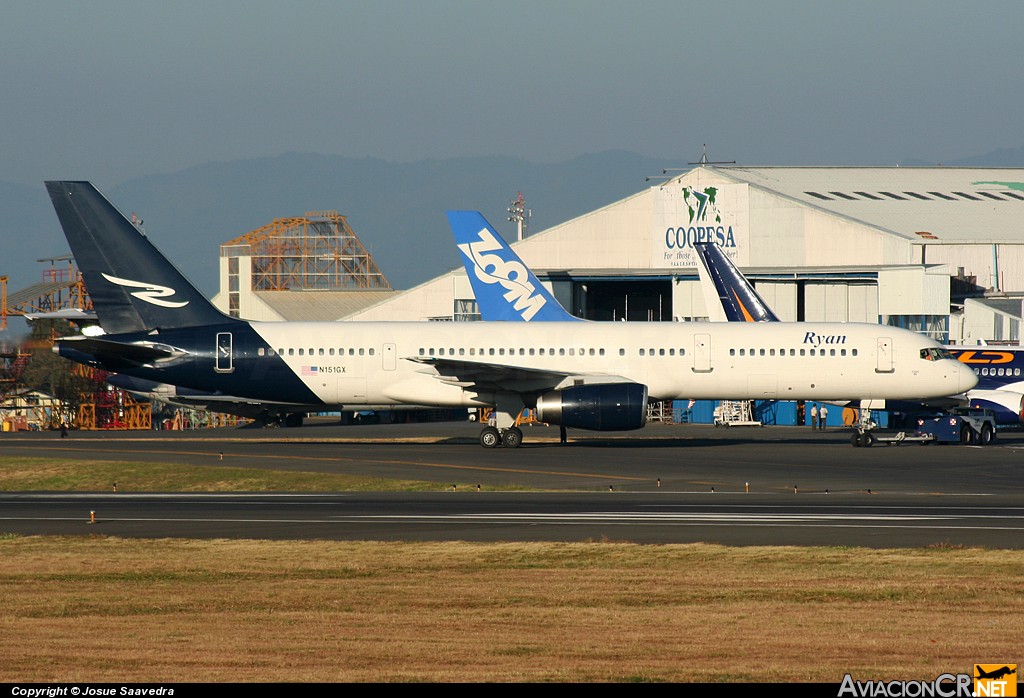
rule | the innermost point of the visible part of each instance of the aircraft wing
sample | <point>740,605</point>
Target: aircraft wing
<point>482,376</point>
<point>235,400</point>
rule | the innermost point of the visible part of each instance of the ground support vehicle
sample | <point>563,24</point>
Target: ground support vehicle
<point>961,425</point>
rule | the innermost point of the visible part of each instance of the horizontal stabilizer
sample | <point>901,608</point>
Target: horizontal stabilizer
<point>113,353</point>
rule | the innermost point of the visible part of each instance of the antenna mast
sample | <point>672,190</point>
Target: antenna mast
<point>519,214</point>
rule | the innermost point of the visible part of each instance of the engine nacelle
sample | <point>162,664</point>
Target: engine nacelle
<point>599,407</point>
<point>1007,404</point>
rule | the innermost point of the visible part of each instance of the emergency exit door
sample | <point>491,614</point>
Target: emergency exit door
<point>223,362</point>
<point>883,355</point>
<point>702,353</point>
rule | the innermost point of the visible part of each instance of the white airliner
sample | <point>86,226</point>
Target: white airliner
<point>599,376</point>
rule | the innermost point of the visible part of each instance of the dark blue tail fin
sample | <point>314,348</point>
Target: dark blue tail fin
<point>737,297</point>
<point>133,287</point>
<point>504,287</point>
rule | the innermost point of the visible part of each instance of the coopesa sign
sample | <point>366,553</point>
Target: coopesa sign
<point>702,207</point>
<point>678,238</point>
<point>685,216</point>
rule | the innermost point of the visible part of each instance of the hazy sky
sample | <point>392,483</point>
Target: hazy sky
<point>109,90</point>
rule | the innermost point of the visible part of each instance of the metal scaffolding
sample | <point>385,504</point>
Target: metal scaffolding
<point>105,407</point>
<point>318,251</point>
<point>61,288</point>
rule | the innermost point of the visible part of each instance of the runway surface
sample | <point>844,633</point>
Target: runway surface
<point>773,486</point>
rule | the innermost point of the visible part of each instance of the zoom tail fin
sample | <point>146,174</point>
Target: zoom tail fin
<point>504,286</point>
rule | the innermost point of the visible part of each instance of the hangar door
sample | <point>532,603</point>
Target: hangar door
<point>623,299</point>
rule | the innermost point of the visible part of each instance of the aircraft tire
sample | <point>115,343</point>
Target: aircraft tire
<point>293,420</point>
<point>512,438</point>
<point>490,437</point>
<point>855,440</point>
<point>868,440</point>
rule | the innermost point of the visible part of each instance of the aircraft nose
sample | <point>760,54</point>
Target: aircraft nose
<point>966,377</point>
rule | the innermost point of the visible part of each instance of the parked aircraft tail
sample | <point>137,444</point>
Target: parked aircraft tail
<point>504,287</point>
<point>726,290</point>
<point>133,287</point>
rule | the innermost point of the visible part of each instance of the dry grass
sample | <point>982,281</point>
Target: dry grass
<point>19,474</point>
<point>106,609</point>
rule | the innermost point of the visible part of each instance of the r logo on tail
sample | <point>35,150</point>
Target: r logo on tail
<point>153,293</point>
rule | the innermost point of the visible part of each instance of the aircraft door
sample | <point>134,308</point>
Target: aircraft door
<point>702,353</point>
<point>223,363</point>
<point>390,357</point>
<point>883,355</point>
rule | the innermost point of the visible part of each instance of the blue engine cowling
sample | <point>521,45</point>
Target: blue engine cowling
<point>599,407</point>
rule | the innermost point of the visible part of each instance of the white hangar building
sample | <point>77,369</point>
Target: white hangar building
<point>896,245</point>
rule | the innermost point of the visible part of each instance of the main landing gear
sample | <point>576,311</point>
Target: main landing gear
<point>492,437</point>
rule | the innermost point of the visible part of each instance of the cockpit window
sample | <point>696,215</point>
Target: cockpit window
<point>936,354</point>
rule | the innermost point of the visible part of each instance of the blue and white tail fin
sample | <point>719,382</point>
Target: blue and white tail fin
<point>505,288</point>
<point>727,293</point>
<point>133,287</point>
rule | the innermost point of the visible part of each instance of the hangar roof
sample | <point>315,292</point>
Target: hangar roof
<point>1006,306</point>
<point>928,204</point>
<point>321,306</point>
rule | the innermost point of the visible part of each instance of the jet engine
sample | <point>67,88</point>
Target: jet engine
<point>599,406</point>
<point>1007,404</point>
